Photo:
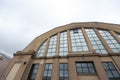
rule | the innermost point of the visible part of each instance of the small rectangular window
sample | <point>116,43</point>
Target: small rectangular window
<point>63,75</point>
<point>85,67</point>
<point>47,72</point>
<point>33,72</point>
<point>111,71</point>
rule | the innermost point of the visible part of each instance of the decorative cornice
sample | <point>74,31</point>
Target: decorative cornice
<point>79,55</point>
<point>29,52</point>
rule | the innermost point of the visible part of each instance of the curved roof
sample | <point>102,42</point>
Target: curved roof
<point>34,45</point>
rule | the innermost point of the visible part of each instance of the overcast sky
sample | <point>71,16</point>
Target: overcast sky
<point>23,20</point>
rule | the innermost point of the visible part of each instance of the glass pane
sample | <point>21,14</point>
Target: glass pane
<point>45,73</point>
<point>110,40</point>
<point>96,43</point>
<point>52,46</point>
<point>35,66</point>
<point>79,69</point>
<point>111,71</point>
<point>91,70</point>
<point>65,66</point>
<point>61,66</point>
<point>78,41</point>
<point>90,65</point>
<point>85,70</point>
<point>41,50</point>
<point>78,65</point>
<point>49,73</point>
<point>66,73</point>
<point>85,67</point>
<point>115,73</point>
<point>50,66</point>
<point>63,51</point>
<point>33,72</point>
<point>61,73</point>
<point>32,77</point>
<point>46,66</point>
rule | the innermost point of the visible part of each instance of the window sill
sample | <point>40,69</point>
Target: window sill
<point>87,74</point>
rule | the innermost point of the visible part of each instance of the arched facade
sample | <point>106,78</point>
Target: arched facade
<point>77,51</point>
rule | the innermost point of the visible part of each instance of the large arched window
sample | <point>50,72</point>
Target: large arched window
<point>78,41</point>
<point>41,50</point>
<point>52,46</point>
<point>63,49</point>
<point>113,44</point>
<point>95,41</point>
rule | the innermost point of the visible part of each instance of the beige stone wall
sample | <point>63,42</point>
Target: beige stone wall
<point>13,71</point>
<point>3,64</point>
<point>83,77</point>
<point>26,57</point>
<point>96,59</point>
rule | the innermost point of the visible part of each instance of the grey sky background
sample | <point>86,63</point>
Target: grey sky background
<point>23,20</point>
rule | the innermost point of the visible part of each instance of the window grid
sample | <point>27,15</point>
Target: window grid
<point>63,50</point>
<point>78,41</point>
<point>33,72</point>
<point>63,72</point>
<point>41,50</point>
<point>47,72</point>
<point>113,44</point>
<point>85,67</point>
<point>52,46</point>
<point>96,43</point>
<point>111,71</point>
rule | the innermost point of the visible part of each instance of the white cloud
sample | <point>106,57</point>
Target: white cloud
<point>23,20</point>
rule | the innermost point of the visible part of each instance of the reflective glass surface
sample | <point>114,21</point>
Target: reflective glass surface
<point>111,71</point>
<point>63,75</point>
<point>52,46</point>
<point>96,43</point>
<point>33,72</point>
<point>78,41</point>
<point>41,50</point>
<point>47,72</point>
<point>85,67</point>
<point>113,44</point>
<point>63,49</point>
